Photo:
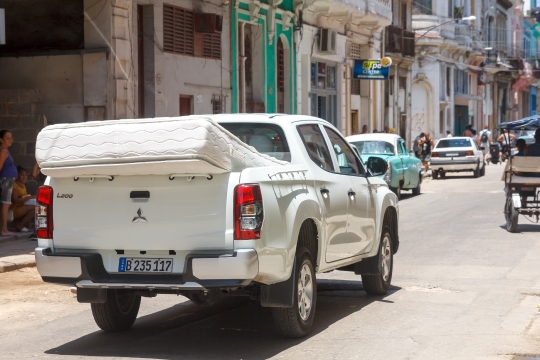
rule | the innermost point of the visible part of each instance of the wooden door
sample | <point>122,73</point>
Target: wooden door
<point>186,105</point>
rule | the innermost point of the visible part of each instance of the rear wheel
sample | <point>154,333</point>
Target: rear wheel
<point>483,170</point>
<point>511,215</point>
<point>119,312</point>
<point>443,174</point>
<point>296,322</point>
<point>477,172</point>
<point>379,284</point>
<point>418,189</point>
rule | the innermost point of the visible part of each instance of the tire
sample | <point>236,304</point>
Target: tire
<point>435,174</point>
<point>379,284</point>
<point>443,175</point>
<point>483,170</point>
<point>417,190</point>
<point>296,322</point>
<point>119,312</point>
<point>511,215</point>
<point>477,172</point>
<point>397,191</point>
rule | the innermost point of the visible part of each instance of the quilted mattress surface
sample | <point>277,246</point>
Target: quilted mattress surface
<point>161,146</point>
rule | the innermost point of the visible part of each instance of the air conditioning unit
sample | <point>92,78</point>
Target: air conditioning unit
<point>327,41</point>
<point>208,23</point>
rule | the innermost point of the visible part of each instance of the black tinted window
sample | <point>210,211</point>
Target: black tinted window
<point>316,146</point>
<point>267,139</point>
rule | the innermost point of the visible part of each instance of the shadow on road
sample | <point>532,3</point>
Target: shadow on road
<point>525,228</point>
<point>233,328</point>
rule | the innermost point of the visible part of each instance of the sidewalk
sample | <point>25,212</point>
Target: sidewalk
<point>16,252</point>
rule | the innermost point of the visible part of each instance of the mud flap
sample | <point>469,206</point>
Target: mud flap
<point>96,296</point>
<point>280,294</point>
<point>368,266</point>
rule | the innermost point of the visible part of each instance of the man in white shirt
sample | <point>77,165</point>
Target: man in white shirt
<point>448,134</point>
<point>484,139</point>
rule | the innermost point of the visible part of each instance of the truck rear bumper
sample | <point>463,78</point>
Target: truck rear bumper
<point>201,271</point>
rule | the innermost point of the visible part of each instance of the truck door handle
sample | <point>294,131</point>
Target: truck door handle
<point>351,193</point>
<point>325,191</point>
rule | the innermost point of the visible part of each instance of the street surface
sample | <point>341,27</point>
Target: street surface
<point>463,288</point>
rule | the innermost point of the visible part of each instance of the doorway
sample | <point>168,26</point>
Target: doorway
<point>186,105</point>
<point>461,116</point>
<point>354,122</point>
<point>145,61</point>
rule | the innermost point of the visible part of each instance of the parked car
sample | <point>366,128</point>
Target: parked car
<point>404,169</point>
<point>209,206</point>
<point>457,154</point>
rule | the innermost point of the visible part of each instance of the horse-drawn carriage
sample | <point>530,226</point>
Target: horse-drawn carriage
<point>522,179</point>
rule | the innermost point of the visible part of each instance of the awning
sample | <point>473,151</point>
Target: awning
<point>528,123</point>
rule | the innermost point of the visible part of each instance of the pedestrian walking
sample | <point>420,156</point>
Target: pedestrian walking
<point>8,174</point>
<point>364,129</point>
<point>386,129</point>
<point>474,135</point>
<point>484,140</point>
<point>448,134</point>
<point>467,131</point>
<point>416,146</point>
<point>426,144</point>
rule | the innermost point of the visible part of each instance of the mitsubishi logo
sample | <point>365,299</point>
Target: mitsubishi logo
<point>139,217</point>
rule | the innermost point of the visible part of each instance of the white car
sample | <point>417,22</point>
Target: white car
<point>206,206</point>
<point>457,154</point>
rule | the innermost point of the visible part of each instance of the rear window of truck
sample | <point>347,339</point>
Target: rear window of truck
<point>267,139</point>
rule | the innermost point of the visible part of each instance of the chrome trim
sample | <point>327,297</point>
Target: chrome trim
<point>88,284</point>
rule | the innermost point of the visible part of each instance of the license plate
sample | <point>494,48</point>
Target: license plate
<point>142,265</point>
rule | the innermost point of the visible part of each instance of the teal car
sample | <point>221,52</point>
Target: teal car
<point>404,169</point>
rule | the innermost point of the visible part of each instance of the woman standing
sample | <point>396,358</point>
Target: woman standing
<point>7,177</point>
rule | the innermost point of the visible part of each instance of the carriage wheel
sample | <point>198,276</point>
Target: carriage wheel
<point>511,215</point>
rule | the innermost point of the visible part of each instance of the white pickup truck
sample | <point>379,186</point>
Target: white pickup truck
<point>206,206</point>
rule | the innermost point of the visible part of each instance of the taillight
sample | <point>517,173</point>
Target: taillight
<point>434,154</point>
<point>44,212</point>
<point>248,212</point>
<point>469,153</point>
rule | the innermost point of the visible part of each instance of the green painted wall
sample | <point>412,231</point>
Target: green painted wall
<point>269,79</point>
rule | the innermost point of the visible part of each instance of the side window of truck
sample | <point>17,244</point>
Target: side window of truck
<point>348,164</point>
<point>316,146</point>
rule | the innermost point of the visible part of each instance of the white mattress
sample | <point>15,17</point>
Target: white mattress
<point>161,146</point>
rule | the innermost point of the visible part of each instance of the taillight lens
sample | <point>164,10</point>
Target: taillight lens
<point>469,153</point>
<point>44,212</point>
<point>434,154</point>
<point>248,212</point>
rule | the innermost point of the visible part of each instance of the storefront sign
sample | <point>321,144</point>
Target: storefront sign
<point>372,69</point>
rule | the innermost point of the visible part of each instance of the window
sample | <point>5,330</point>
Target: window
<point>178,33</point>
<point>461,81</point>
<point>401,148</point>
<point>316,146</point>
<point>331,83</point>
<point>377,147</point>
<point>448,83</point>
<point>451,143</point>
<point>179,36</point>
<point>348,164</point>
<point>268,139</point>
<point>217,104</point>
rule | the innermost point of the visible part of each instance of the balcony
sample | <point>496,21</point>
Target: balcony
<point>399,41</point>
<point>463,35</point>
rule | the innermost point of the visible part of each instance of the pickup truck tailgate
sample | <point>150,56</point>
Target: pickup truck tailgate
<point>178,214</point>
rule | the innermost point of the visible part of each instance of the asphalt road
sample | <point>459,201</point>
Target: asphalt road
<point>463,288</point>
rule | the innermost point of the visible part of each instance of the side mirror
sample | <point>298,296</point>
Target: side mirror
<point>377,166</point>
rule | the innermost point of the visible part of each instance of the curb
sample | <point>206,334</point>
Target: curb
<point>7,266</point>
<point>20,236</point>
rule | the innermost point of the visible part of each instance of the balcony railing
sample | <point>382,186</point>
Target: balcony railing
<point>399,41</point>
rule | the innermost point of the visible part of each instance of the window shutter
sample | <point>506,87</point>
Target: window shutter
<point>178,35</point>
